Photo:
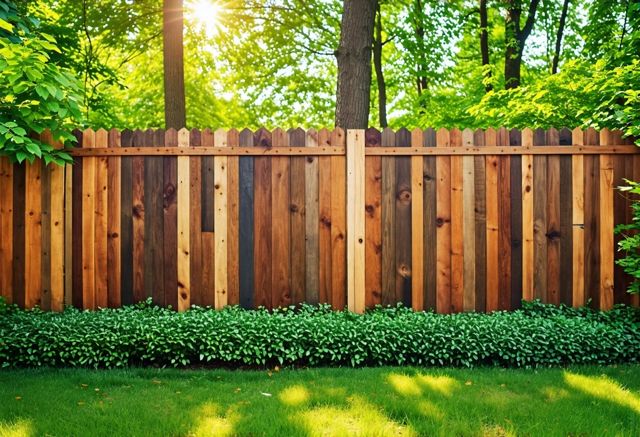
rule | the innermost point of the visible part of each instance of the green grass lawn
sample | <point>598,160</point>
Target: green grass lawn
<point>376,401</point>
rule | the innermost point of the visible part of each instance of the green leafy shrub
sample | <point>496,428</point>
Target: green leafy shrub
<point>537,335</point>
<point>630,242</point>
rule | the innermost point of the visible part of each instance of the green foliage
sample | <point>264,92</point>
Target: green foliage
<point>35,93</point>
<point>537,335</point>
<point>630,242</point>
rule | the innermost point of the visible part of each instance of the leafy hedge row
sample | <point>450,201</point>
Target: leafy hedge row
<point>537,335</point>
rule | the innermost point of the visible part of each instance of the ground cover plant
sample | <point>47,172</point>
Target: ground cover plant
<point>373,401</point>
<point>145,335</point>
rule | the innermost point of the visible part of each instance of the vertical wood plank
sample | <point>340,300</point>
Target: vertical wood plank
<point>492,175</point>
<point>6,229</point>
<point>233,220</point>
<point>195,218</point>
<point>540,218</point>
<point>154,283</point>
<point>18,231</point>
<point>577,208</point>
<point>443,222</point>
<point>220,180</point>
<point>281,223</point>
<point>68,235</point>
<point>566,222</point>
<point>504,227</point>
<point>126,222</point>
<point>88,223</point>
<point>183,263</point>
<point>469,225</point>
<point>101,211</point>
<point>311,218</point>
<point>262,223</point>
<point>591,220</point>
<point>403,198</point>
<point>515,139</point>
<point>170,219</point>
<point>606,216</point>
<point>528,263</point>
<point>417,224</point>
<point>324,225</point>
<point>388,214</point>
<point>339,223</point>
<point>246,222</point>
<point>553,221</point>
<point>355,220</point>
<point>479,167</point>
<point>373,221</point>
<point>207,235</point>
<point>114,216</point>
<point>430,222</point>
<point>33,234</point>
<point>297,215</point>
<point>457,225</point>
<point>45,229</point>
<point>138,220</point>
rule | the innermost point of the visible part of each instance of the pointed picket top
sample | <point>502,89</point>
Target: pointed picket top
<point>553,137</point>
<point>114,138</point>
<point>101,139</point>
<point>338,137</point>
<point>455,137</point>
<point>502,137</point>
<point>442,138</point>
<point>417,138</point>
<point>88,138</point>
<point>388,137</point>
<point>233,138</point>
<point>372,137</point>
<point>429,137</point>
<point>296,137</point>
<point>171,138</point>
<point>311,138</point>
<point>591,137</point>
<point>577,137</point>
<point>527,137</point>
<point>279,138</point>
<point>565,137</point>
<point>324,137</point>
<point>403,137</point>
<point>149,138</point>
<point>490,137</point>
<point>515,137</point>
<point>183,137</point>
<point>467,137</point>
<point>246,137</point>
<point>262,138</point>
<point>478,138</point>
<point>606,137</point>
<point>157,139</point>
<point>220,138</point>
<point>206,138</point>
<point>195,138</point>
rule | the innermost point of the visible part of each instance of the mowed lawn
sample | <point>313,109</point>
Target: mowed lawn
<point>375,401</point>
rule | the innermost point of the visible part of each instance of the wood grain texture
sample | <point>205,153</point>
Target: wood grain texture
<point>311,220</point>
<point>220,214</point>
<point>114,226</point>
<point>246,221</point>
<point>373,221</point>
<point>170,209</point>
<point>101,239</point>
<point>479,167</point>
<point>388,217</point>
<point>504,228</point>
<point>577,210</point>
<point>154,283</point>
<point>233,213</point>
<point>417,224</point>
<point>18,231</point>
<point>68,235</point>
<point>468,225</point>
<point>540,219</point>
<point>195,218</point>
<point>430,220</point>
<point>88,224</point>
<point>262,254</point>
<point>6,229</point>
<point>57,228</point>
<point>566,222</point>
<point>606,218</point>
<point>280,224</point>
<point>403,237</point>
<point>528,260</point>
<point>45,238</point>
<point>355,220</point>
<point>324,225</point>
<point>457,225</point>
<point>207,236</point>
<point>591,221</point>
<point>339,223</point>
<point>492,178</point>
<point>126,222</point>
<point>515,217</point>
<point>297,216</point>
<point>553,221</point>
<point>443,223</point>
<point>182,191</point>
<point>138,222</point>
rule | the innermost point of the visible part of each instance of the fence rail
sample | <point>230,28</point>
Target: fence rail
<point>450,220</point>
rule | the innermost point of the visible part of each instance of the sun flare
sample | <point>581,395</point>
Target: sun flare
<point>205,13</point>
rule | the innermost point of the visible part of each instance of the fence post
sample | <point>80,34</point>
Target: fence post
<point>355,220</point>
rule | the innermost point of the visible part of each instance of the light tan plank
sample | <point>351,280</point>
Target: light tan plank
<point>355,220</point>
<point>220,221</point>
<point>417,224</point>
<point>469,224</point>
<point>183,259</point>
<point>577,172</point>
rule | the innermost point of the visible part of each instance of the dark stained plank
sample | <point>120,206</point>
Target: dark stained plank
<point>19,174</point>
<point>207,293</point>
<point>297,213</point>
<point>388,214</point>
<point>246,223</point>
<point>324,225</point>
<point>591,219</point>
<point>403,221</point>
<point>101,225</point>
<point>373,231</point>
<point>479,166</point>
<point>540,219</point>
<point>170,218</point>
<point>504,245</point>
<point>429,224</point>
<point>553,221</point>
<point>153,221</point>
<point>114,223</point>
<point>338,223</point>
<point>515,139</point>
<point>566,222</point>
<point>126,221</point>
<point>492,192</point>
<point>457,225</point>
<point>195,217</point>
<point>138,220</point>
<point>6,229</point>
<point>262,255</point>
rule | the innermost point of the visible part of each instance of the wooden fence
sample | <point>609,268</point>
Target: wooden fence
<point>451,220</point>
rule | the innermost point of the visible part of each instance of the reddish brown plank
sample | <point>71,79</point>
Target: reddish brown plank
<point>324,230</point>
<point>195,231</point>
<point>114,227</point>
<point>373,196</point>
<point>443,222</point>
<point>280,224</point>
<point>338,223</point>
<point>262,256</point>
<point>388,214</point>
<point>297,213</point>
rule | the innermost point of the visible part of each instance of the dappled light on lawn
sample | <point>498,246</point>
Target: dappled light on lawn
<point>604,388</point>
<point>19,428</point>
<point>413,385</point>
<point>211,421</point>
<point>294,396</point>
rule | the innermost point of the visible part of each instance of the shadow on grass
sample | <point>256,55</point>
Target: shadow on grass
<point>368,402</point>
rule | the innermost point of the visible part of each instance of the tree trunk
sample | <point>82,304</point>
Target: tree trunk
<point>556,54</point>
<point>354,64</point>
<point>377,64</point>
<point>421,80</point>
<point>174,101</point>
<point>515,39</point>
<point>484,44</point>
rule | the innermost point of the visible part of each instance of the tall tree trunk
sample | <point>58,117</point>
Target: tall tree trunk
<point>377,65</point>
<point>354,64</point>
<point>174,101</point>
<point>556,54</point>
<point>484,44</point>
<point>515,39</point>
<point>421,80</point>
